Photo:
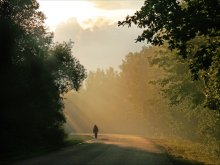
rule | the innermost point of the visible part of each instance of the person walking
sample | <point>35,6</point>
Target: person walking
<point>95,131</point>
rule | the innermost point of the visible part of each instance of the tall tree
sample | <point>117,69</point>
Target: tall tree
<point>34,73</point>
<point>192,28</point>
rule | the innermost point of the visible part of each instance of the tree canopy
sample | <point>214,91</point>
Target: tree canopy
<point>35,72</point>
<point>191,27</point>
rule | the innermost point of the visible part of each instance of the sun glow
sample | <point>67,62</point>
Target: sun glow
<point>60,11</point>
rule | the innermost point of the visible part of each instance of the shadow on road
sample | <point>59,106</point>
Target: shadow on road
<point>103,154</point>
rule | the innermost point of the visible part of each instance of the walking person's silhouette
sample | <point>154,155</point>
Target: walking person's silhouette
<point>95,131</point>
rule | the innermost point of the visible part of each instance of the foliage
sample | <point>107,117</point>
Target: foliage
<point>186,98</point>
<point>67,70</point>
<point>177,84</point>
<point>183,24</point>
<point>31,106</point>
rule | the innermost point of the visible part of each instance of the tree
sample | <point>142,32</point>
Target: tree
<point>186,99</point>
<point>183,24</point>
<point>35,73</point>
<point>68,71</point>
<point>176,83</point>
<point>135,77</point>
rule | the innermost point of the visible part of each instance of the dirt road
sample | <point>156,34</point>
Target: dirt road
<point>109,149</point>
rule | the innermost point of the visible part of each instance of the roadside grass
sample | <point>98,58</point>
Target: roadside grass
<point>71,140</point>
<point>185,152</point>
<point>76,139</point>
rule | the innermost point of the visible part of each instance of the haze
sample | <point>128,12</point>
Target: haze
<point>110,82</point>
<point>99,44</point>
<point>92,26</point>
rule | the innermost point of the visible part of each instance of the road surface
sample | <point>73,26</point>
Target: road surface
<point>109,149</point>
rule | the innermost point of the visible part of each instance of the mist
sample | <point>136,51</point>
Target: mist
<point>107,99</point>
<point>82,114</point>
<point>144,97</point>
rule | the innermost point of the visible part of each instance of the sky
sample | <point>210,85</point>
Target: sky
<point>92,26</point>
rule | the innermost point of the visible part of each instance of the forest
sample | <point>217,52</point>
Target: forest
<point>168,90</point>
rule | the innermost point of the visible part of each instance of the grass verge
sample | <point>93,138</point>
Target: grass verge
<point>187,153</point>
<point>76,139</point>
